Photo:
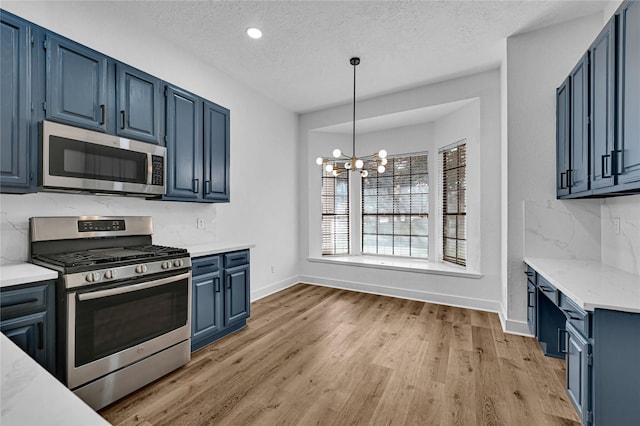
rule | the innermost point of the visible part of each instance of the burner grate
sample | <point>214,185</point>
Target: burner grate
<point>109,255</point>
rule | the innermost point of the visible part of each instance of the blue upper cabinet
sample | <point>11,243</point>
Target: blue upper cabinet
<point>16,173</point>
<point>216,152</point>
<point>562,137</point>
<point>138,104</point>
<point>602,118</point>
<point>184,145</point>
<point>77,91</point>
<point>578,172</point>
<point>602,105</point>
<point>628,125</point>
<point>197,139</point>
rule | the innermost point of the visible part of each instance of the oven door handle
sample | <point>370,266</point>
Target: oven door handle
<point>128,289</point>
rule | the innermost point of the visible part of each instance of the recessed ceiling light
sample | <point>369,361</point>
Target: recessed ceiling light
<point>254,33</point>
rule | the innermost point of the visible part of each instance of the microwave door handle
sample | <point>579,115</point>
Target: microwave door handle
<point>130,288</point>
<point>149,167</point>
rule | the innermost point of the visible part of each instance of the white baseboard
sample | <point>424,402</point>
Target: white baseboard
<point>521,328</point>
<point>508,325</point>
<point>422,296</point>
<point>259,293</point>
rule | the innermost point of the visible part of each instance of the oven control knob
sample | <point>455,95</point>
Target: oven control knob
<point>109,274</point>
<point>141,269</point>
<point>178,262</point>
<point>166,265</point>
<point>92,276</point>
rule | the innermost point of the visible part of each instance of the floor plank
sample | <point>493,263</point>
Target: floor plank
<point>314,355</point>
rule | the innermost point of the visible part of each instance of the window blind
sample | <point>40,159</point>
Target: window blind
<point>335,213</point>
<point>453,162</point>
<point>395,208</point>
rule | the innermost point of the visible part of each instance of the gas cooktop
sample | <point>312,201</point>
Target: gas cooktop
<point>103,257</point>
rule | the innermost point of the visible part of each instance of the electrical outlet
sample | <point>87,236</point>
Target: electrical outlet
<point>200,223</point>
<point>616,225</point>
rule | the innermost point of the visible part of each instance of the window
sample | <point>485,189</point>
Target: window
<point>335,213</point>
<point>395,208</point>
<point>454,204</point>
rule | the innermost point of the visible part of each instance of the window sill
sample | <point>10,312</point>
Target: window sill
<point>399,264</point>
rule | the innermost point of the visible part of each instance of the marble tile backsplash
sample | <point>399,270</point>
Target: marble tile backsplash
<point>562,229</point>
<point>606,230</point>
<point>174,223</point>
<point>621,233</point>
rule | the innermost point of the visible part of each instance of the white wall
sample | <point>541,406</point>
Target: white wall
<point>483,133</point>
<point>264,199</point>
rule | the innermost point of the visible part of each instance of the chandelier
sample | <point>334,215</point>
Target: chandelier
<point>341,162</point>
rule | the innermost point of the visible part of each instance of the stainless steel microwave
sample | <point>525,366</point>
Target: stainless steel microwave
<point>75,159</point>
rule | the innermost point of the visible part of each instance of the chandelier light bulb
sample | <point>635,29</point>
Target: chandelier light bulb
<point>337,153</point>
<point>383,161</point>
<point>347,165</point>
<point>364,173</point>
<point>359,163</point>
<point>319,161</point>
<point>329,168</point>
<point>335,172</point>
<point>382,153</point>
<point>254,33</point>
<point>381,169</point>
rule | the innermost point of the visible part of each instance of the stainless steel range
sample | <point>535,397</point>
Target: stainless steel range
<point>122,304</point>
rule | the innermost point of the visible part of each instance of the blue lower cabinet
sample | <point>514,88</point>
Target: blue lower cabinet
<point>532,301</point>
<point>236,307</point>
<point>578,356</point>
<point>206,318</point>
<point>616,368</point>
<point>28,319</point>
<point>220,296</point>
<point>602,353</point>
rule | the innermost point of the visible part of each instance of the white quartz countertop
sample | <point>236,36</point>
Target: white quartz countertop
<point>197,250</point>
<point>592,285</point>
<point>32,396</point>
<point>23,273</point>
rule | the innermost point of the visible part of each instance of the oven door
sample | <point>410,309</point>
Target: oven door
<point>111,328</point>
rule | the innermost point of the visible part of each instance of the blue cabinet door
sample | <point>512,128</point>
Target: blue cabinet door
<point>562,138</point>
<point>76,84</point>
<point>28,319</point>
<point>206,311</point>
<point>216,152</point>
<point>15,105</point>
<point>236,294</point>
<point>578,174</point>
<point>138,104</point>
<point>629,97</point>
<point>184,144</point>
<point>28,333</point>
<point>578,353</point>
<point>532,307</point>
<point>602,92</point>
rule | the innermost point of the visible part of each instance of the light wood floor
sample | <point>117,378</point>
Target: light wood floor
<point>314,355</point>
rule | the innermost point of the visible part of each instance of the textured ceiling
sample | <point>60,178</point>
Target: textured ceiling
<point>302,61</point>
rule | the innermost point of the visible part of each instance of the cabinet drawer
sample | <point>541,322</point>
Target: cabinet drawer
<point>576,316</point>
<point>204,265</point>
<point>548,289</point>
<point>531,275</point>
<point>18,301</point>
<point>236,258</point>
